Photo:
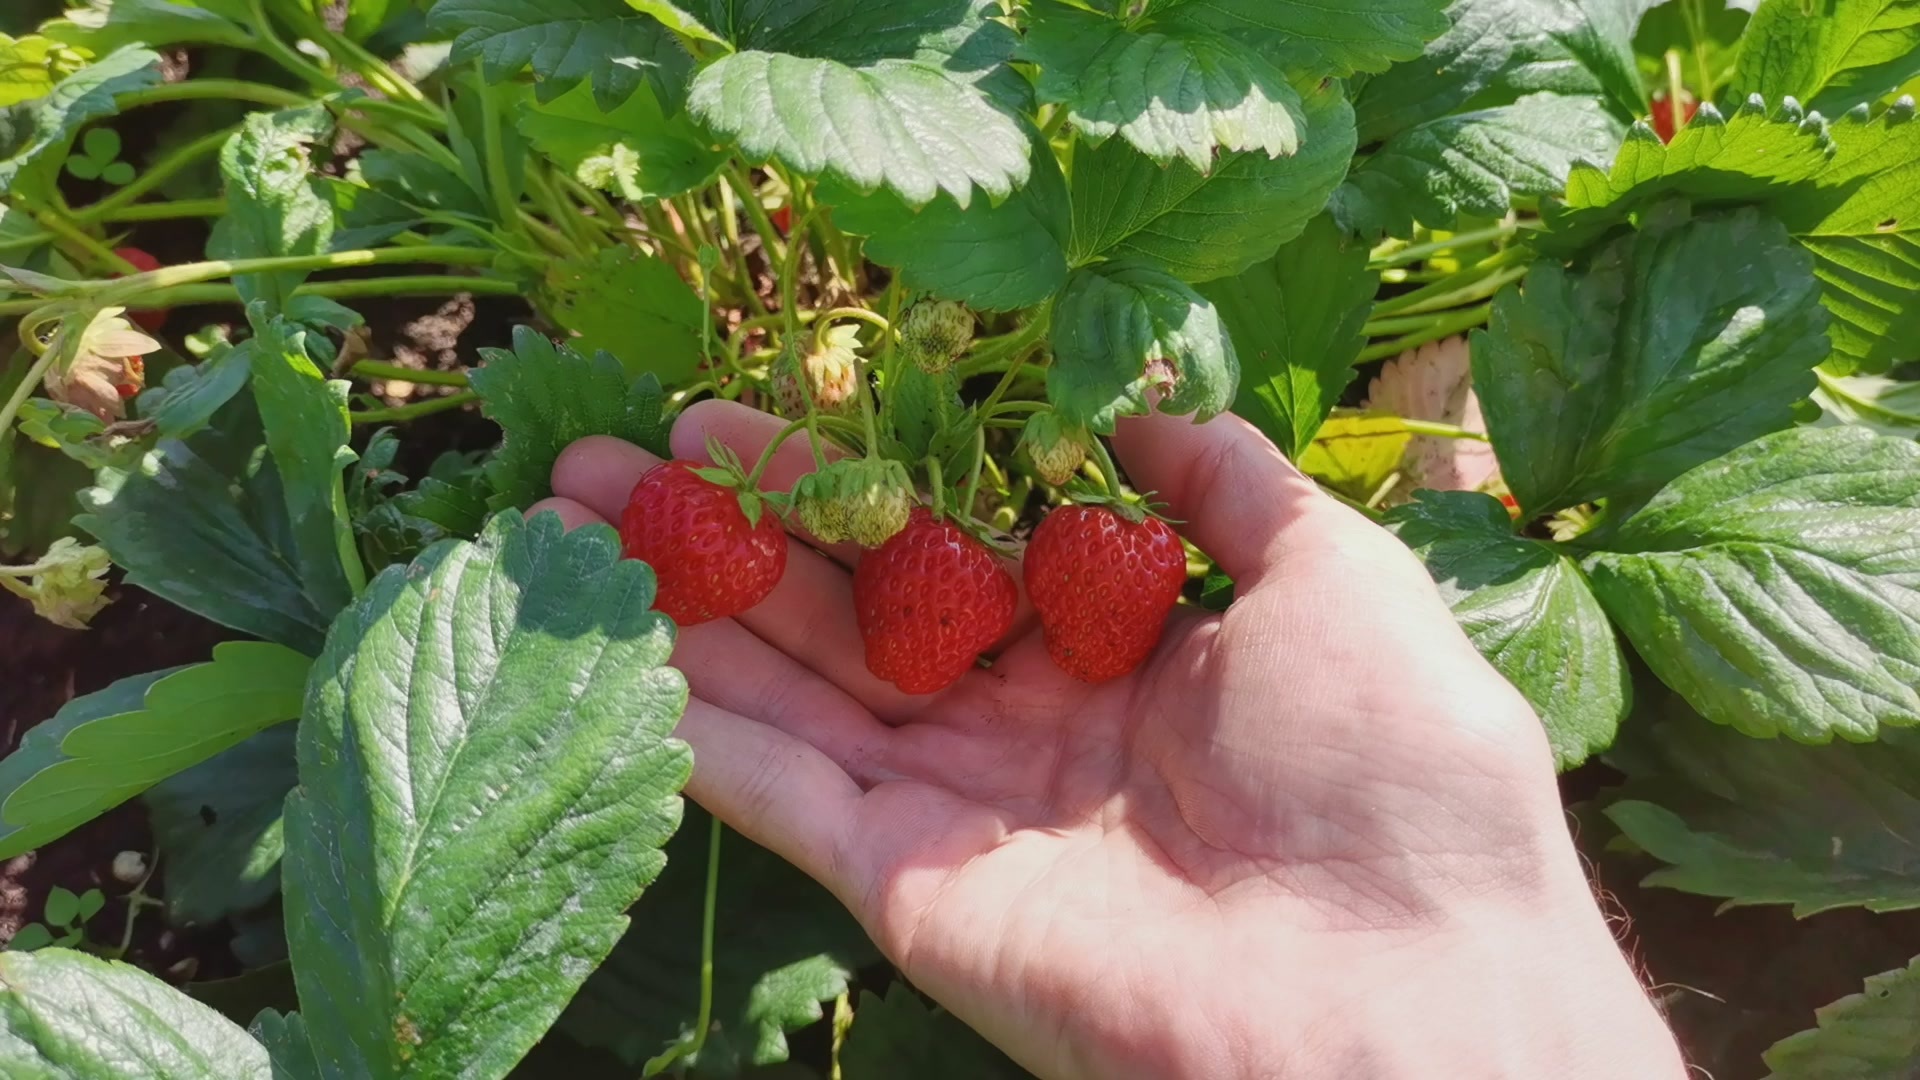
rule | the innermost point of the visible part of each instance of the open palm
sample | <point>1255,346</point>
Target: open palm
<point>1279,824</point>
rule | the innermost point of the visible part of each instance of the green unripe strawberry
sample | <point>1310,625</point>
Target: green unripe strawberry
<point>865,500</point>
<point>820,512</point>
<point>1056,448</point>
<point>934,332</point>
<point>879,500</point>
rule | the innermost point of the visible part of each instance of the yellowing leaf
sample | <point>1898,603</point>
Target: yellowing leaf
<point>1356,453</point>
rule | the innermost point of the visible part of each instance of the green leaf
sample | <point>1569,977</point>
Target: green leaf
<point>1167,89</point>
<point>66,1014</point>
<point>1775,588</point>
<point>28,66</point>
<point>1610,380</point>
<point>101,143</point>
<point>897,95</point>
<point>305,417</point>
<point>119,173</point>
<point>190,394</point>
<point>1864,1036</point>
<point>1474,163</point>
<point>30,937</point>
<point>487,775</point>
<point>1829,54</point>
<point>1497,50</point>
<point>603,43</point>
<point>1203,226</point>
<point>47,125</point>
<point>101,26</point>
<point>219,825</point>
<point>1356,453</point>
<point>420,182</point>
<point>1295,321</point>
<point>1322,38</point>
<point>634,150</point>
<point>544,398</point>
<point>782,946</point>
<point>1849,193</point>
<point>1887,406</point>
<point>275,206</point>
<point>1712,159</point>
<point>632,305</point>
<point>1860,217</point>
<point>898,1035</point>
<point>1527,607</point>
<point>103,749</point>
<point>91,902</point>
<point>1769,821</point>
<point>1122,329</point>
<point>285,1038</point>
<point>993,257</point>
<point>39,749</point>
<point>81,168</point>
<point>174,525</point>
<point>921,406</point>
<point>63,907</point>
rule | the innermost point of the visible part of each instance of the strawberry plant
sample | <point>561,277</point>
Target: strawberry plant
<point>1636,290</point>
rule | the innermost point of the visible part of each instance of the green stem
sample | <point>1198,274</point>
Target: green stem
<point>166,211</point>
<point>688,1047</point>
<point>1676,88</point>
<point>1054,123</point>
<point>933,482</point>
<point>378,369</point>
<point>994,350</point>
<point>742,184</point>
<point>766,456</point>
<point>1440,328</point>
<point>1108,473</point>
<point>1417,252</point>
<point>979,463</point>
<point>287,55</point>
<point>156,174</point>
<point>213,89</point>
<point>25,390</point>
<point>1476,282</point>
<point>57,224</point>
<point>825,319</point>
<point>188,273</point>
<point>1442,431</point>
<point>1402,324</point>
<point>181,295</point>
<point>416,409</point>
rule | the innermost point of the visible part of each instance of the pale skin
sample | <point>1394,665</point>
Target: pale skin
<point>1313,836</point>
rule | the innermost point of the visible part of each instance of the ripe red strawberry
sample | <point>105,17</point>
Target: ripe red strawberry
<point>928,600</point>
<point>1662,113</point>
<point>711,562</point>
<point>1103,586</point>
<point>150,321</point>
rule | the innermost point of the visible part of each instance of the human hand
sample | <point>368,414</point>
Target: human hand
<point>1314,835</point>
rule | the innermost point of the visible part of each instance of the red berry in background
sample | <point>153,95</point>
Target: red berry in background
<point>150,321</point>
<point>1103,586</point>
<point>782,218</point>
<point>928,601</point>
<point>1663,113</point>
<point>710,561</point>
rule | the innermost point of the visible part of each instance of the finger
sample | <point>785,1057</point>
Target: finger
<point>782,793</point>
<point>747,431</point>
<point>572,514</point>
<point>727,665</point>
<point>599,472</point>
<point>1236,496</point>
<point>809,617</point>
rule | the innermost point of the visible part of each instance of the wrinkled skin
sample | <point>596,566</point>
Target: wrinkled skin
<point>1315,835</point>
